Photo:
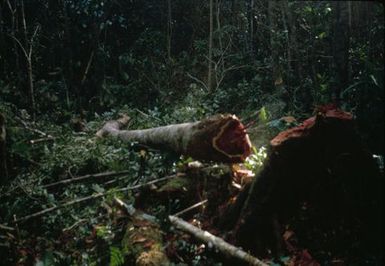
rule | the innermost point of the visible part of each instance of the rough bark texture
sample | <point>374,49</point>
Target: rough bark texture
<point>220,138</point>
<point>322,164</point>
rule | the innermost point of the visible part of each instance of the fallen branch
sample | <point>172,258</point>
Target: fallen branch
<point>35,141</point>
<point>203,202</point>
<point>219,138</point>
<point>74,225</point>
<point>219,243</point>
<point>92,197</point>
<point>6,228</point>
<point>85,177</point>
<point>37,131</point>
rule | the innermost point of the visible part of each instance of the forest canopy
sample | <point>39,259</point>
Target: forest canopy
<point>67,67</point>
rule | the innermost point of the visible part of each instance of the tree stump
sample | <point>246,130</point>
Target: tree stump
<point>319,170</point>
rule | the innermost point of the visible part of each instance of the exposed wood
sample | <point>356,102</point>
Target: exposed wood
<point>219,138</point>
<point>219,243</point>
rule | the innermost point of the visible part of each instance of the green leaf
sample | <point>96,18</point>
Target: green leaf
<point>263,115</point>
<point>116,257</point>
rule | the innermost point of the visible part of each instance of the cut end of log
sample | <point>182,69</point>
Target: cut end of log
<point>233,141</point>
<point>324,113</point>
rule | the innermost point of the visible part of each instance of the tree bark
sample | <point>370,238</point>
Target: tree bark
<point>324,153</point>
<point>221,138</point>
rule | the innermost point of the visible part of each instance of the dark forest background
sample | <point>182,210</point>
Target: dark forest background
<point>66,66</point>
<point>64,57</point>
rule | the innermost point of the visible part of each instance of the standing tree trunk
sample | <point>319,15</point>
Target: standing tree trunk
<point>28,56</point>
<point>341,46</point>
<point>278,85</point>
<point>169,29</point>
<point>14,27</point>
<point>210,57</point>
<point>251,18</point>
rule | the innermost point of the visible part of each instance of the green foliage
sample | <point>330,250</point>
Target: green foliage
<point>116,257</point>
<point>102,58</point>
<point>255,161</point>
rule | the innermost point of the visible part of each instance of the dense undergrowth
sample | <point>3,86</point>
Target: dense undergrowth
<point>87,233</point>
<point>93,60</point>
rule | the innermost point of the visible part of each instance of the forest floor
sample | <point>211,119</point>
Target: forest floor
<point>48,221</point>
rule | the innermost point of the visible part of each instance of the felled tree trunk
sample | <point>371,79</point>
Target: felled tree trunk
<point>322,164</point>
<point>3,157</point>
<point>220,138</point>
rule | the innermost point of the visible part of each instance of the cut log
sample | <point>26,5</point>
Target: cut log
<point>220,138</point>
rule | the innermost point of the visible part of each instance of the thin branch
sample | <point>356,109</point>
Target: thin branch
<point>37,131</point>
<point>219,243</point>
<point>198,80</point>
<point>74,225</point>
<point>20,45</point>
<point>35,141</point>
<point>191,207</point>
<point>31,41</point>
<point>87,68</point>
<point>91,197</point>
<point>85,177</point>
<point>6,228</point>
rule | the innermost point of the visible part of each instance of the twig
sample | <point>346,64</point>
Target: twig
<point>74,225</point>
<point>35,141</point>
<point>198,80</point>
<point>94,196</point>
<point>25,125</point>
<point>191,207</point>
<point>87,68</point>
<point>6,228</point>
<point>82,178</point>
<point>219,243</point>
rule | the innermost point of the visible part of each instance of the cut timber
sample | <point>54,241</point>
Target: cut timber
<point>220,138</point>
<point>219,243</point>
